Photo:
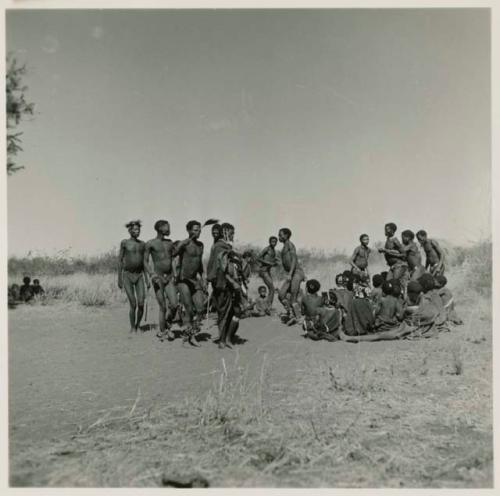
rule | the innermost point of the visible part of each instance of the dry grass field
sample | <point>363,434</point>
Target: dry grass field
<point>89,407</point>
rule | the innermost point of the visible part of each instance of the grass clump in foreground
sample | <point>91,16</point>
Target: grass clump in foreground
<point>336,427</point>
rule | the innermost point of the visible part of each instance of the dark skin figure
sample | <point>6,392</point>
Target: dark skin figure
<point>294,276</point>
<point>161,251</point>
<point>433,252</point>
<point>190,252</point>
<point>267,259</point>
<point>131,260</point>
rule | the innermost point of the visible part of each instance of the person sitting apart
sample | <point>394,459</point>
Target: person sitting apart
<point>13,296</point>
<point>26,290</point>
<point>434,262</point>
<point>447,299</point>
<point>359,259</point>
<point>413,258</point>
<point>376,292</point>
<point>389,312</point>
<point>37,289</point>
<point>262,305</point>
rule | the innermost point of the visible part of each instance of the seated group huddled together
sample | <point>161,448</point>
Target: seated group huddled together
<point>24,293</point>
<point>409,299</point>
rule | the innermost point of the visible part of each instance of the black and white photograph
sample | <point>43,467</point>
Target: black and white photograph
<point>249,247</point>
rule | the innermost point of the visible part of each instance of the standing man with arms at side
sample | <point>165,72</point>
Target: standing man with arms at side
<point>131,273</point>
<point>161,251</point>
<point>191,284</point>
<point>289,291</point>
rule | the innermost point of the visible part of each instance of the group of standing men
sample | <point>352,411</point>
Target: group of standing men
<point>181,285</point>
<point>180,282</point>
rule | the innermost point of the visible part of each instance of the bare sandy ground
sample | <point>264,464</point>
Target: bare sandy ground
<point>69,364</point>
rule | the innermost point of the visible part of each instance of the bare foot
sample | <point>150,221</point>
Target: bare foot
<point>222,345</point>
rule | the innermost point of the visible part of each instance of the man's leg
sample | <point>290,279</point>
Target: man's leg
<point>140,292</point>
<point>283,296</point>
<point>223,299</point>
<point>296,281</point>
<point>129,290</point>
<point>172,302</point>
<point>199,303</point>
<point>268,281</point>
<point>187,301</point>
<point>162,305</point>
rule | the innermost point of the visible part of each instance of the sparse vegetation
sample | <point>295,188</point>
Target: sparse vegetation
<point>390,415</point>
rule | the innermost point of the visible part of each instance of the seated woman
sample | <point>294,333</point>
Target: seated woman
<point>359,318</point>
<point>320,321</point>
<point>389,311</point>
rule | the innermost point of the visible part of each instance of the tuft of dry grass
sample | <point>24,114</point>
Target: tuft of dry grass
<point>338,427</point>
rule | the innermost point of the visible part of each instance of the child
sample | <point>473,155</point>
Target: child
<point>37,289</point>
<point>390,311</point>
<point>262,305</point>
<point>376,292</point>
<point>359,259</point>
<point>131,273</point>
<point>447,299</point>
<point>339,281</point>
<point>434,262</point>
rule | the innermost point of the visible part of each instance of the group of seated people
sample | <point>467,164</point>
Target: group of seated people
<point>385,309</point>
<point>24,293</point>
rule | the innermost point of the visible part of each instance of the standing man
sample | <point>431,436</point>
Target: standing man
<point>131,273</point>
<point>191,284</point>
<point>161,251</point>
<point>434,255</point>
<point>360,256</point>
<point>394,254</point>
<point>289,291</point>
<point>413,258</point>
<point>267,260</point>
<point>227,287</point>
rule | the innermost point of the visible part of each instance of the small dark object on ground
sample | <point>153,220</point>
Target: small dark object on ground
<point>185,482</point>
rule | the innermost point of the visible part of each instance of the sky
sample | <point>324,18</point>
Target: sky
<point>329,122</point>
